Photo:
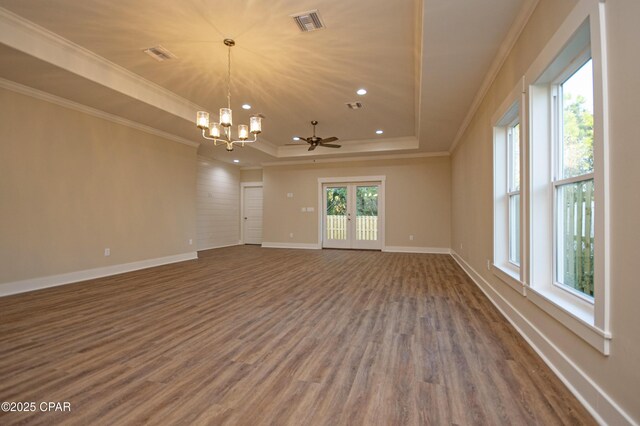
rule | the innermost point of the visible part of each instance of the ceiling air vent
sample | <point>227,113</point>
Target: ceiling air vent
<point>308,21</point>
<point>354,105</point>
<point>159,53</point>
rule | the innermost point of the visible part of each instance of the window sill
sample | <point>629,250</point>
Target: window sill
<point>579,321</point>
<point>509,276</point>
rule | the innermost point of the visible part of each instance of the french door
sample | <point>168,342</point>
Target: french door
<point>350,218</point>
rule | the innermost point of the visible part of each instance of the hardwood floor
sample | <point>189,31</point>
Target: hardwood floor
<point>251,336</point>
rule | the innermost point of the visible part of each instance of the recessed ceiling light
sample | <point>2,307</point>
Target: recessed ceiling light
<point>295,138</point>
<point>379,132</point>
<point>246,106</point>
<point>361,92</point>
<point>236,161</point>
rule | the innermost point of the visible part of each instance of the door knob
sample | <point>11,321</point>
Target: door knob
<point>245,218</point>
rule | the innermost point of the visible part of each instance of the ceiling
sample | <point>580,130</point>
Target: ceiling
<point>421,61</point>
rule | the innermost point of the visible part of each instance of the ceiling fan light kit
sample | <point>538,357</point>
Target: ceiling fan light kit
<point>220,132</point>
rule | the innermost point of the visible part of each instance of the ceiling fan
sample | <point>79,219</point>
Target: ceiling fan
<point>316,141</point>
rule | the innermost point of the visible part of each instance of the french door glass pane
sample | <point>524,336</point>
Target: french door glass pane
<point>576,153</point>
<point>575,235</point>
<point>336,226</point>
<point>514,229</point>
<point>367,213</point>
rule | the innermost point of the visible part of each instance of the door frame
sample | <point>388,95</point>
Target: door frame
<point>244,185</point>
<point>381,180</point>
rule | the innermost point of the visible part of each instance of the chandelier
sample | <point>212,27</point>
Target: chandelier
<point>220,132</point>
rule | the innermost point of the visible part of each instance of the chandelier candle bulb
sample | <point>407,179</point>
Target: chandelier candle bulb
<point>255,124</point>
<point>202,119</point>
<point>214,130</point>
<point>225,117</point>
<point>243,132</point>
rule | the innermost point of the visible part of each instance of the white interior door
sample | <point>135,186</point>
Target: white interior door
<point>351,217</point>
<point>252,215</point>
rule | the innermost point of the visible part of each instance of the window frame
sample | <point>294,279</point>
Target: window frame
<point>510,113</point>
<point>588,319</point>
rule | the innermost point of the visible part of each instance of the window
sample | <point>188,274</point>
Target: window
<point>573,181</point>
<point>513,191</point>
<point>567,179</point>
<point>507,211</point>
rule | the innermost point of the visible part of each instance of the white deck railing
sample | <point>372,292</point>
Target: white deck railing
<point>366,228</point>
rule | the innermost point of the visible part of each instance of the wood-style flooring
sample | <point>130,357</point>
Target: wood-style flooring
<point>252,336</point>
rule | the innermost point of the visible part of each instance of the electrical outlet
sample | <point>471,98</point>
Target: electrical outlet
<point>410,237</point>
<point>488,264</point>
<point>291,235</point>
<point>190,242</point>
<point>289,194</point>
<point>107,252</point>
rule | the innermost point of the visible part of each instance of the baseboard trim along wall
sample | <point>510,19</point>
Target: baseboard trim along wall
<point>304,246</point>
<point>24,286</point>
<point>427,250</point>
<point>218,247</point>
<point>390,249</point>
<point>601,406</point>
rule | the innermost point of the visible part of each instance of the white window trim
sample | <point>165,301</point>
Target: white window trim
<point>504,117</point>
<point>586,320</point>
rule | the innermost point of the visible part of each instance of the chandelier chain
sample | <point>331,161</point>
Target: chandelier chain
<point>229,78</point>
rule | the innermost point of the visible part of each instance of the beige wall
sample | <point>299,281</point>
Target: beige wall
<point>417,199</point>
<point>72,184</point>
<point>618,374</point>
<point>253,175</point>
<point>218,204</point>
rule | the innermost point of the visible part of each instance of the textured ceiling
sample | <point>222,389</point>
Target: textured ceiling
<point>422,62</point>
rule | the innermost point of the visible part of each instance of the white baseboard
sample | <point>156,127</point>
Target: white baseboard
<point>24,286</point>
<point>219,246</point>
<point>599,404</point>
<point>391,249</point>
<point>428,250</point>
<point>305,246</point>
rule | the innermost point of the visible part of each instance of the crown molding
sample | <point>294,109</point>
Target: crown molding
<point>66,103</point>
<point>353,159</point>
<point>32,39</point>
<point>496,65</point>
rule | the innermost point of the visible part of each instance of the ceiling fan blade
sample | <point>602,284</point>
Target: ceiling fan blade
<point>312,147</point>
<point>331,139</point>
<point>293,144</point>
<point>329,145</point>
